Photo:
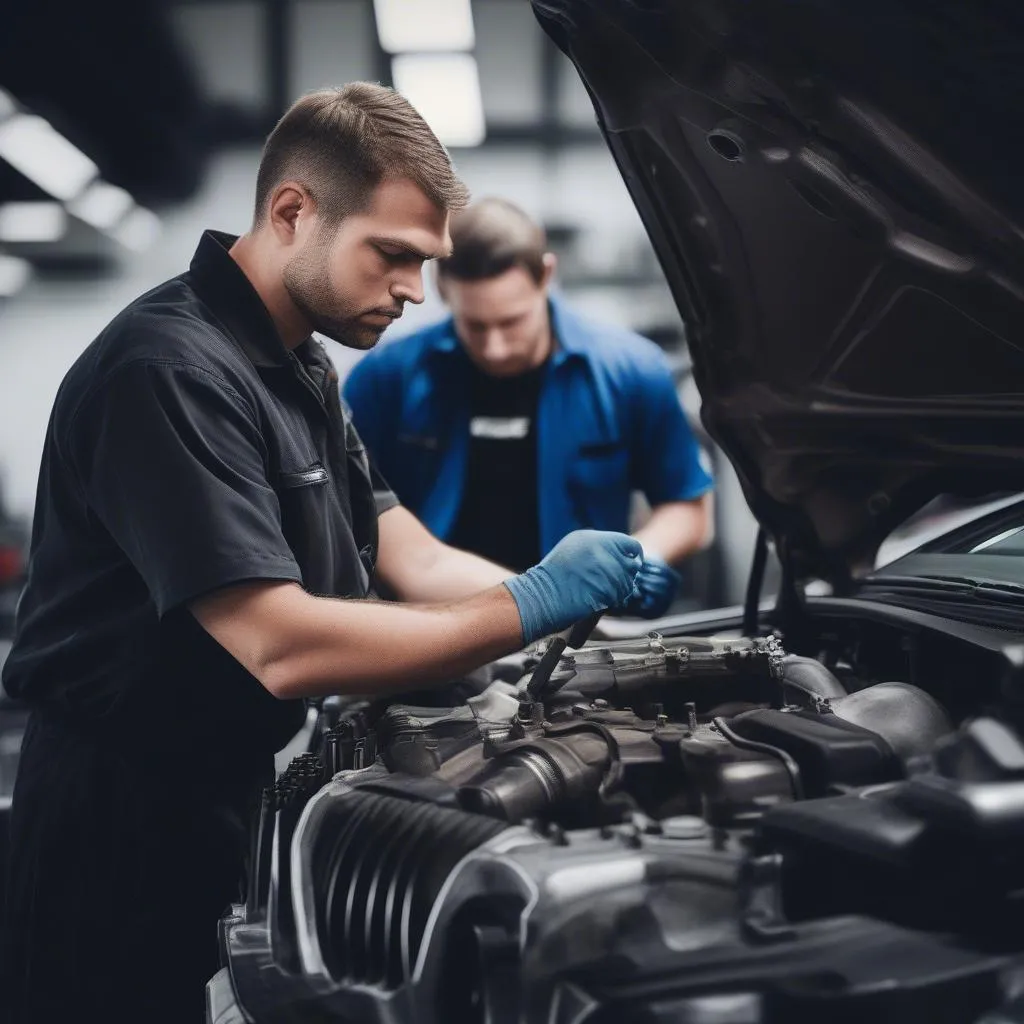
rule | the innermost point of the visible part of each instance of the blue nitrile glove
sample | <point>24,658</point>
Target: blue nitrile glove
<point>657,582</point>
<point>586,571</point>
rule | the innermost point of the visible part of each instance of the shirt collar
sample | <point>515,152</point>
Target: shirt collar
<point>566,327</point>
<point>569,331</point>
<point>221,283</point>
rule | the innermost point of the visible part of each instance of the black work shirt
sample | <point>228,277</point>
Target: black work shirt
<point>188,449</point>
<point>498,513</point>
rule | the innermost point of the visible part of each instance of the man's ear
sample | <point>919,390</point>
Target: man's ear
<point>291,210</point>
<point>550,263</point>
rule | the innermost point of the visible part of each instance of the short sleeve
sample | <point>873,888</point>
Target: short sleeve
<point>171,462</point>
<point>384,497</point>
<point>667,455</point>
<point>360,392</point>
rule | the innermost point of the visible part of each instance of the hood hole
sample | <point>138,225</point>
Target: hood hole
<point>728,145</point>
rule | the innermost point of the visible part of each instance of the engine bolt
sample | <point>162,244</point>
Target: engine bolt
<point>691,716</point>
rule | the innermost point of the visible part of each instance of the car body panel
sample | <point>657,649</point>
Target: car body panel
<point>832,194</point>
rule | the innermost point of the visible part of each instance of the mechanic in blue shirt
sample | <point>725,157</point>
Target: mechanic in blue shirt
<point>516,421</point>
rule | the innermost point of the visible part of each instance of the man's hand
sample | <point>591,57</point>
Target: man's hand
<point>586,571</point>
<point>657,583</point>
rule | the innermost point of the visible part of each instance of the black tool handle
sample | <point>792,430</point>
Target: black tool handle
<point>575,636</point>
<point>580,633</point>
<point>537,686</point>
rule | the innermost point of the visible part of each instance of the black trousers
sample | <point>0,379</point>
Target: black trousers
<point>119,872</point>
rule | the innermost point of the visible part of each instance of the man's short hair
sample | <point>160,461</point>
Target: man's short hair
<point>491,237</point>
<point>341,143</point>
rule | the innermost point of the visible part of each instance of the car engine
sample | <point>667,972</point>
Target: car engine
<point>686,829</point>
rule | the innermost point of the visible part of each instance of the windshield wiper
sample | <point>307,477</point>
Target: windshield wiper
<point>950,588</point>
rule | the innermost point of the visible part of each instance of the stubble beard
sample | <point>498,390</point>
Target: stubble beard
<point>306,281</point>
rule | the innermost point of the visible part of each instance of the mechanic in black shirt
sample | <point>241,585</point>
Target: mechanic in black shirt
<point>203,503</point>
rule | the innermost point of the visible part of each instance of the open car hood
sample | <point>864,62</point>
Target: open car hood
<point>835,193</point>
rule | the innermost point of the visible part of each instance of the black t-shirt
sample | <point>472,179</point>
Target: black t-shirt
<point>187,450</point>
<point>498,517</point>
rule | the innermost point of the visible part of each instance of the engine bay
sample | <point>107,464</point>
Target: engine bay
<point>680,828</point>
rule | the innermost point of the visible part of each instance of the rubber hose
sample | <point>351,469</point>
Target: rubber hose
<point>810,677</point>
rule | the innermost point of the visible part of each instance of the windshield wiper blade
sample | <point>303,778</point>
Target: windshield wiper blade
<point>1012,592</point>
<point>950,587</point>
<point>940,583</point>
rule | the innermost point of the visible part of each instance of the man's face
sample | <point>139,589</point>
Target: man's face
<point>352,280</point>
<point>501,321</point>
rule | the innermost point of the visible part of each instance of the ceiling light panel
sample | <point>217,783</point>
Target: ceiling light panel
<point>415,26</point>
<point>139,230</point>
<point>32,146</point>
<point>32,222</point>
<point>102,205</point>
<point>14,275</point>
<point>445,89</point>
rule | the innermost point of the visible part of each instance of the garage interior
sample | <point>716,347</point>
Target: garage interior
<point>139,125</point>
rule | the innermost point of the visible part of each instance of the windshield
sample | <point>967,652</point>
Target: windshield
<point>973,571</point>
<point>1009,542</point>
<point>938,526</point>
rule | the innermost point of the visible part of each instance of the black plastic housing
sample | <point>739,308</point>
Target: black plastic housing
<point>828,751</point>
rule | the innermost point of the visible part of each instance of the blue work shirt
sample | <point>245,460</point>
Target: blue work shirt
<point>608,422</point>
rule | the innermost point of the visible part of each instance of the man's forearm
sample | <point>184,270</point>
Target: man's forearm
<point>677,529</point>
<point>413,565</point>
<point>298,645</point>
<point>453,575</point>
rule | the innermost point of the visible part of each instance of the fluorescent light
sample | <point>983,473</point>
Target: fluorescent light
<point>413,26</point>
<point>139,230</point>
<point>32,222</point>
<point>445,89</point>
<point>7,105</point>
<point>14,273</point>
<point>31,145</point>
<point>102,205</point>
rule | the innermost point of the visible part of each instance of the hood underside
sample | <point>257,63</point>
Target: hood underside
<point>834,191</point>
